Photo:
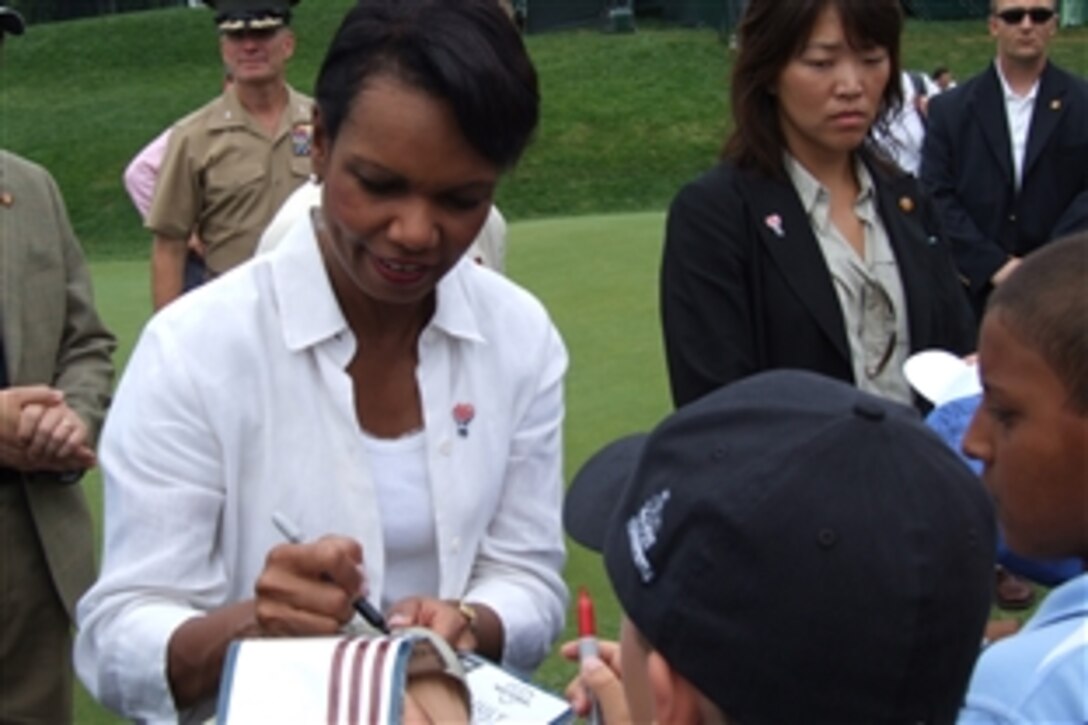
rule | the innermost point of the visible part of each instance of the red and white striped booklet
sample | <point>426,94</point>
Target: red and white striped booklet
<point>341,680</point>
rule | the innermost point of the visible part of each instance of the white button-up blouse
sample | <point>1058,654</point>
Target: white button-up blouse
<point>236,404</point>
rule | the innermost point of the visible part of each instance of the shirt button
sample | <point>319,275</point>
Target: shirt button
<point>455,545</point>
<point>444,448</point>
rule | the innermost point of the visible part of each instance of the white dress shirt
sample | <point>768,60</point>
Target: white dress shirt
<point>235,404</point>
<point>1018,112</point>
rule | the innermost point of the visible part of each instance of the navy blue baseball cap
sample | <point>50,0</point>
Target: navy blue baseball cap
<point>799,550</point>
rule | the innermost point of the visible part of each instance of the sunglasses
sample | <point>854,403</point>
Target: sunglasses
<point>1015,16</point>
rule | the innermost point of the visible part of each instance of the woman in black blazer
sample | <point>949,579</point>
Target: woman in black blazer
<point>806,248</point>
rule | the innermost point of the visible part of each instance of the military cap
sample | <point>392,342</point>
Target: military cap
<point>235,15</point>
<point>11,21</point>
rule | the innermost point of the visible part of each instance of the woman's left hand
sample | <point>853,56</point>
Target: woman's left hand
<point>443,617</point>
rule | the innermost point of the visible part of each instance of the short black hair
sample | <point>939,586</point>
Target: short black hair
<point>467,53</point>
<point>1044,303</point>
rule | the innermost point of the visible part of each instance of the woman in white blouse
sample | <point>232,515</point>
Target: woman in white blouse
<point>400,403</point>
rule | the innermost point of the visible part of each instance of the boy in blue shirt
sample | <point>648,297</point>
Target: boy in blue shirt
<point>1031,435</point>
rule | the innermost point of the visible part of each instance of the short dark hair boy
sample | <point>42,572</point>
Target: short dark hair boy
<point>1031,434</point>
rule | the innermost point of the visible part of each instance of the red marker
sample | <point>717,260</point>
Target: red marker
<point>587,641</point>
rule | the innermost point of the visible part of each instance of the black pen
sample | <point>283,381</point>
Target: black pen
<point>291,532</point>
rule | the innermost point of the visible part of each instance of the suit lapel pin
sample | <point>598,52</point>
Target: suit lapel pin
<point>774,223</point>
<point>6,199</point>
<point>906,204</point>
<point>463,413</point>
<point>1056,104</point>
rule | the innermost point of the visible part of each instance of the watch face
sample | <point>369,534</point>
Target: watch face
<point>469,613</point>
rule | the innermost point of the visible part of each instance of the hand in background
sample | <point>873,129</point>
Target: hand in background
<point>51,432</point>
<point>39,432</point>
<point>600,678</point>
<point>12,402</point>
<point>308,589</point>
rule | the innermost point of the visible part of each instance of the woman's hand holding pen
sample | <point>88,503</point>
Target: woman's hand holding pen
<point>305,589</point>
<point>599,677</point>
<point>308,588</point>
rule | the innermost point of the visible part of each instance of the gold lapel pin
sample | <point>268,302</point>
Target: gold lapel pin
<point>906,204</point>
<point>1056,104</point>
<point>6,199</point>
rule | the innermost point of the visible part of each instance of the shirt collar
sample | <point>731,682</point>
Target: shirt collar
<point>813,192</point>
<point>808,188</point>
<point>865,203</point>
<point>1009,93</point>
<point>231,113</point>
<point>309,312</point>
<point>454,312</point>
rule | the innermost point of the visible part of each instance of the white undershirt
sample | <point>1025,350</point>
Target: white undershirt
<point>399,470</point>
<point>1018,112</point>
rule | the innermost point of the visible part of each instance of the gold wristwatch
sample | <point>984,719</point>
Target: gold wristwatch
<point>469,613</point>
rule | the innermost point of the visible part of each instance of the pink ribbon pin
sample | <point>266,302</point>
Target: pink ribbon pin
<point>774,223</point>
<point>463,413</point>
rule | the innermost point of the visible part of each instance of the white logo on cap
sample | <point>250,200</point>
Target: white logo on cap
<point>642,529</point>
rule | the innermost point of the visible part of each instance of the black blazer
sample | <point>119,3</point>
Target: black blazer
<point>737,298</point>
<point>967,168</point>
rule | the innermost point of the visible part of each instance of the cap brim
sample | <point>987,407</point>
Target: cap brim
<point>11,21</point>
<point>941,377</point>
<point>597,488</point>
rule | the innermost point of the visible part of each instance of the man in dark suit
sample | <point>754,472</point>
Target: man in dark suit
<point>55,377</point>
<point>1006,153</point>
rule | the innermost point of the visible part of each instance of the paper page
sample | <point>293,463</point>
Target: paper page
<point>500,696</point>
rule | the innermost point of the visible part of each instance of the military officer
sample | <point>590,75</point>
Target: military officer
<point>231,164</point>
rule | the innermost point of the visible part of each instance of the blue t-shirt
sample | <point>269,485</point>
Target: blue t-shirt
<point>1039,675</point>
